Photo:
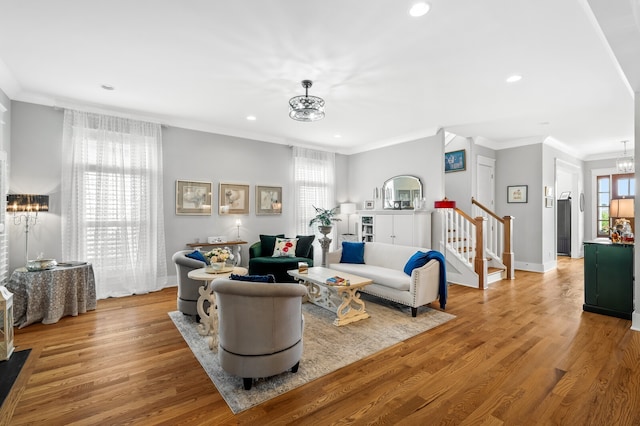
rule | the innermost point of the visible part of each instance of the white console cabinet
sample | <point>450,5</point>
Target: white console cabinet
<point>402,227</point>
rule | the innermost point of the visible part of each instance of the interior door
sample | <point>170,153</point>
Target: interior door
<point>485,183</point>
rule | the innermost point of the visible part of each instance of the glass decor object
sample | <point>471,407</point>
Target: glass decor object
<point>306,108</point>
<point>625,163</point>
<point>6,323</point>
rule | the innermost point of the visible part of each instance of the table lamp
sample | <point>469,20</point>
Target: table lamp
<point>28,205</point>
<point>621,209</point>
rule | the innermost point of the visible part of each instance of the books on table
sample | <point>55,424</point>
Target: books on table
<point>336,280</point>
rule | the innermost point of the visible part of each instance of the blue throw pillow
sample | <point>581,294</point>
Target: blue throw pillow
<point>197,256</point>
<point>352,252</point>
<point>418,260</point>
<point>270,278</point>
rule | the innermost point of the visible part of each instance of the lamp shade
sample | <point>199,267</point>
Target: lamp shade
<point>444,204</point>
<point>623,207</point>
<point>347,208</point>
<point>27,203</point>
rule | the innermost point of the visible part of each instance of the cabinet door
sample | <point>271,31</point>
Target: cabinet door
<point>384,228</point>
<point>403,230</point>
<point>591,274</point>
<point>615,278</point>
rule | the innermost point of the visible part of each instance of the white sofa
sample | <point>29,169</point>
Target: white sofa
<point>384,264</point>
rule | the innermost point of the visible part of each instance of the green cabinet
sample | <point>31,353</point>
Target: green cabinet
<point>608,279</point>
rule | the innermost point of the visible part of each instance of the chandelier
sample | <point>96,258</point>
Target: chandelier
<point>306,108</point>
<point>625,163</point>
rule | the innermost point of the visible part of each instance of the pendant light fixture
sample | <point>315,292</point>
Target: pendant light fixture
<point>306,108</point>
<point>625,163</point>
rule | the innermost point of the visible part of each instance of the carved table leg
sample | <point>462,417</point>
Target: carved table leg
<point>209,318</point>
<point>344,301</point>
<point>352,307</point>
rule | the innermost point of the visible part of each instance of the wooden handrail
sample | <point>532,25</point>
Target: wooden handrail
<point>466,216</point>
<point>486,210</point>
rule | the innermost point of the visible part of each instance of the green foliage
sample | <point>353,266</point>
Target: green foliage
<point>324,217</point>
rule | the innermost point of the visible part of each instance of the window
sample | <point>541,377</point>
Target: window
<point>603,197</point>
<point>112,202</point>
<point>624,186</point>
<point>314,177</point>
<point>610,187</point>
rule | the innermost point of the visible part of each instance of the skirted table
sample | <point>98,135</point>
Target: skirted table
<point>51,294</point>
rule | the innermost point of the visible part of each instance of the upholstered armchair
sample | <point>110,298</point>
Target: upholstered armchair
<point>187,288</point>
<point>260,328</point>
<point>262,261</point>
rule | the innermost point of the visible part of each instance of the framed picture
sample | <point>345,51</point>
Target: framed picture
<point>369,205</point>
<point>548,202</point>
<point>517,194</point>
<point>455,161</point>
<point>268,200</point>
<point>548,191</point>
<point>193,198</point>
<point>234,199</point>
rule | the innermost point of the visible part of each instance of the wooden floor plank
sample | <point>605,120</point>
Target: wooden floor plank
<point>520,352</point>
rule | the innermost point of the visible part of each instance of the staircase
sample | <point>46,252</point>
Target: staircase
<point>477,249</point>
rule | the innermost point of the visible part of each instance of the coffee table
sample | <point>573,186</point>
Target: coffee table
<point>209,318</point>
<point>343,300</point>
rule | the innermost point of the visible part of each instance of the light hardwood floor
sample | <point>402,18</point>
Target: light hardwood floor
<point>522,352</point>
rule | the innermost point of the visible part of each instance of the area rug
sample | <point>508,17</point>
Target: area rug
<point>326,347</point>
<point>9,371</point>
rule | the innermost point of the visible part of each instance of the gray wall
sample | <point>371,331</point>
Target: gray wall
<point>521,166</point>
<point>458,185</point>
<point>422,158</point>
<point>36,136</point>
<point>36,150</point>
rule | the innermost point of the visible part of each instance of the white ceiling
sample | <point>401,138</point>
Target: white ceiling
<point>386,77</point>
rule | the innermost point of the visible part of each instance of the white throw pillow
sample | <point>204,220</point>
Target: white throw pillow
<point>285,247</point>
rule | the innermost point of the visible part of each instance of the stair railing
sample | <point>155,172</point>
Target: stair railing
<point>499,239</point>
<point>464,236</point>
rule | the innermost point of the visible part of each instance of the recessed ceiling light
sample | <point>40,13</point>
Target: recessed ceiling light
<point>251,117</point>
<point>419,9</point>
<point>514,78</point>
<point>107,87</point>
<point>337,136</point>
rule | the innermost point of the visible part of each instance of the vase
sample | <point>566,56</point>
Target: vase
<point>215,266</point>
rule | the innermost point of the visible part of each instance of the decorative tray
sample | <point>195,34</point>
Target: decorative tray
<point>41,264</point>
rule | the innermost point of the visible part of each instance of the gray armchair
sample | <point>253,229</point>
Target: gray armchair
<point>187,288</point>
<point>259,328</point>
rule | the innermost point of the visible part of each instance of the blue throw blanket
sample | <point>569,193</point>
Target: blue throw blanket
<point>442,285</point>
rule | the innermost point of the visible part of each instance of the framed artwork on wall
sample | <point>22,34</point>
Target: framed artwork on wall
<point>369,205</point>
<point>517,193</point>
<point>455,161</point>
<point>233,199</point>
<point>268,200</point>
<point>193,198</point>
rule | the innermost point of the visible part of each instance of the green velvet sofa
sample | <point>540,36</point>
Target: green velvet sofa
<point>262,262</point>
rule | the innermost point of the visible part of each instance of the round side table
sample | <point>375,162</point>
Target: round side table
<point>209,318</point>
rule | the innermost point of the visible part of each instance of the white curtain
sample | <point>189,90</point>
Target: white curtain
<point>314,185</point>
<point>112,212</point>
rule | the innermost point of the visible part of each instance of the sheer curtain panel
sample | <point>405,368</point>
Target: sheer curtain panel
<point>112,213</point>
<point>314,185</point>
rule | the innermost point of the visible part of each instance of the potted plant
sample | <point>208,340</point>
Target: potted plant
<point>324,219</point>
